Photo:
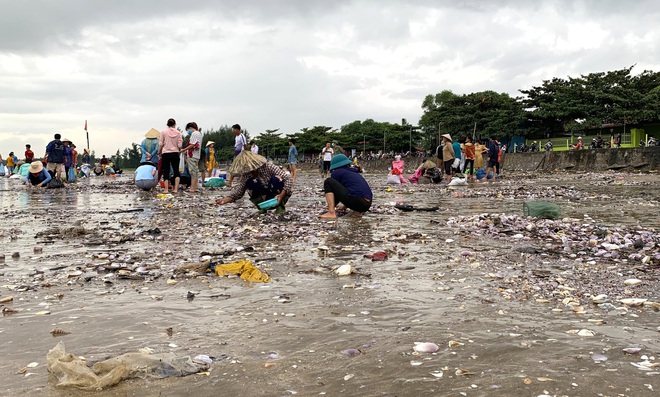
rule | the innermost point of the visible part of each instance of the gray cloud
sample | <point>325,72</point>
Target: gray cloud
<point>127,66</point>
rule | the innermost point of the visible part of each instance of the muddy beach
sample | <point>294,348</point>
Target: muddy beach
<point>515,306</point>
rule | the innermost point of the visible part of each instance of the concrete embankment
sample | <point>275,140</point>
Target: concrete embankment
<point>636,159</point>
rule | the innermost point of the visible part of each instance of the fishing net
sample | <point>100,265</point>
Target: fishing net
<point>72,371</point>
<point>541,209</point>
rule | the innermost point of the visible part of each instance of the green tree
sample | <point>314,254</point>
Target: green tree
<point>485,113</point>
<point>561,106</point>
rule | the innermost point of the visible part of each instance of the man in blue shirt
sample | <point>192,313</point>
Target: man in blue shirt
<point>55,156</point>
<point>493,154</point>
<point>345,186</point>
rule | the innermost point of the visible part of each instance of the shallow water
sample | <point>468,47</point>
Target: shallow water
<point>266,347</point>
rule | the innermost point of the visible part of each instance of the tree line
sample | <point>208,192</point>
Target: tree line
<point>556,107</point>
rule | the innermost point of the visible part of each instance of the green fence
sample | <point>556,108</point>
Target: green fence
<point>629,139</point>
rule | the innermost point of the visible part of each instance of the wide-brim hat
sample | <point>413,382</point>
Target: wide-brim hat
<point>447,136</point>
<point>67,140</point>
<point>86,150</point>
<point>148,163</point>
<point>397,157</point>
<point>36,167</point>
<point>246,161</point>
<point>429,164</point>
<point>209,143</point>
<point>339,160</point>
<point>579,138</point>
<point>152,133</point>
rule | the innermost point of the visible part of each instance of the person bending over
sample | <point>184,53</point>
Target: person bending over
<point>347,187</point>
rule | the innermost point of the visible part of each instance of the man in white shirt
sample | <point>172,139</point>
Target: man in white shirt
<point>240,144</point>
<point>254,148</point>
<point>193,152</point>
<point>327,158</point>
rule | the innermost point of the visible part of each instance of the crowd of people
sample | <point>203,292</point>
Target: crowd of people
<point>60,164</point>
<point>462,158</point>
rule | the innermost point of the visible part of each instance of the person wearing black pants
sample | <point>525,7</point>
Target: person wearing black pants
<point>346,186</point>
<point>169,144</point>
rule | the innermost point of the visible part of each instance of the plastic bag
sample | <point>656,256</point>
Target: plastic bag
<point>244,269</point>
<point>55,183</point>
<point>393,180</point>
<point>71,177</point>
<point>215,182</point>
<point>542,209</point>
<point>456,181</point>
<point>72,371</point>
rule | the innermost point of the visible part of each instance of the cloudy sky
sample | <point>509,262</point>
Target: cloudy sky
<point>128,65</point>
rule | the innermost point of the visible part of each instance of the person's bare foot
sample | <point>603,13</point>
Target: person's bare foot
<point>328,215</point>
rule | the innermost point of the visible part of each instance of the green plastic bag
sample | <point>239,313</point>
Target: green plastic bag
<point>215,182</point>
<point>542,209</point>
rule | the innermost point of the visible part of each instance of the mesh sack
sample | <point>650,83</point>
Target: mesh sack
<point>541,209</point>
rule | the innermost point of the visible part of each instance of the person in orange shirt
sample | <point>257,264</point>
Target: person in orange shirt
<point>469,150</point>
<point>74,155</point>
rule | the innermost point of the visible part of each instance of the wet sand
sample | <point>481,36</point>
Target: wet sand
<point>504,318</point>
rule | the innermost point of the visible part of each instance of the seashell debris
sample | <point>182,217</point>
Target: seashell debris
<point>344,270</point>
<point>425,347</point>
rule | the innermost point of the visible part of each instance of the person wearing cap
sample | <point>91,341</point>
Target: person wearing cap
<point>37,176</point>
<point>146,176</point>
<point>210,157</point>
<point>55,156</point>
<point>149,146</point>
<point>579,145</point>
<point>448,155</point>
<point>260,179</point>
<point>347,187</point>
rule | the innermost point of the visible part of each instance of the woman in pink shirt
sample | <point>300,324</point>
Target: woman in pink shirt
<point>170,142</point>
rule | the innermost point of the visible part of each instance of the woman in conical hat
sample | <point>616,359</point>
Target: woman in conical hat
<point>210,157</point>
<point>149,146</point>
<point>260,179</point>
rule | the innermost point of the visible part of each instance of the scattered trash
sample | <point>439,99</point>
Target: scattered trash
<point>72,371</point>
<point>542,210</point>
<point>425,347</point>
<point>377,256</point>
<point>244,269</point>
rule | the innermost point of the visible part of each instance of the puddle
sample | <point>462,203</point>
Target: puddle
<point>287,337</point>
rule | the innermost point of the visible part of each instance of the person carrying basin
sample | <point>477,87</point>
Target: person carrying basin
<point>261,180</point>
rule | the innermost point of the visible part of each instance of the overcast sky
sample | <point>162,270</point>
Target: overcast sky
<point>128,65</point>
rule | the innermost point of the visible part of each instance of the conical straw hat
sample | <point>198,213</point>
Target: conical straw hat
<point>152,133</point>
<point>246,161</point>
